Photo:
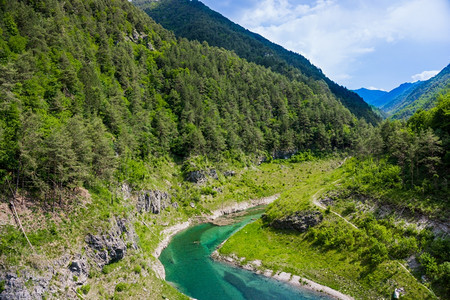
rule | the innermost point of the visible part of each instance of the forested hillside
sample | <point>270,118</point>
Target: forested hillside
<point>102,109</point>
<point>195,21</point>
<point>396,97</point>
<point>424,96</point>
<point>96,89</point>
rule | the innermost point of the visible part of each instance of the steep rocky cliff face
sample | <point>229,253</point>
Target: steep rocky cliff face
<point>154,202</point>
<point>64,275</point>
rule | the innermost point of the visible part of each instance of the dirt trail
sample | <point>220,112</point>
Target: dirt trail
<point>317,203</point>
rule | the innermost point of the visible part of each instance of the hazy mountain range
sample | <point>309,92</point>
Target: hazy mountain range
<point>404,100</point>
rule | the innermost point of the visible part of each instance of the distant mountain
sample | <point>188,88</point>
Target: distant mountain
<point>396,97</point>
<point>424,96</point>
<point>404,100</point>
<point>195,21</point>
<point>371,97</point>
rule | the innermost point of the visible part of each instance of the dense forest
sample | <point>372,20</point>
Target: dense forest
<point>95,94</point>
<point>195,21</point>
<point>95,89</point>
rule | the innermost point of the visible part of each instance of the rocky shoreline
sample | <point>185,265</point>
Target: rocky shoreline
<point>253,266</point>
<point>295,280</point>
<point>169,232</point>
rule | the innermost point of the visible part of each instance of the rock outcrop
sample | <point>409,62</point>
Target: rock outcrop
<point>201,176</point>
<point>299,221</point>
<point>229,173</point>
<point>111,246</point>
<point>137,37</point>
<point>284,154</point>
<point>154,202</point>
<point>23,285</point>
<point>61,277</point>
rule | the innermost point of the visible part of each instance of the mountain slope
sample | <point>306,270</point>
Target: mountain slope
<point>98,93</point>
<point>397,96</point>
<point>372,97</point>
<point>424,96</point>
<point>99,107</point>
<point>195,21</point>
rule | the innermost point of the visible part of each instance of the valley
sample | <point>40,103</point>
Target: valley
<point>116,134</point>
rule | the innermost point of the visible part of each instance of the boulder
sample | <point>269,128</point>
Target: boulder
<point>229,173</point>
<point>284,154</point>
<point>80,268</point>
<point>201,176</point>
<point>300,221</point>
<point>197,177</point>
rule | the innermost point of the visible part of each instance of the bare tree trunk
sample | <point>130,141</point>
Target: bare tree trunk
<point>12,207</point>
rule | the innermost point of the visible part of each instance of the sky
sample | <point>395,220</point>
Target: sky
<point>376,44</point>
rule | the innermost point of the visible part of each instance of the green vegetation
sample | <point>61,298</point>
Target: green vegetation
<point>195,21</point>
<point>113,94</point>
<point>353,261</point>
<point>85,289</point>
<point>96,98</point>
<point>424,96</point>
<point>401,177</point>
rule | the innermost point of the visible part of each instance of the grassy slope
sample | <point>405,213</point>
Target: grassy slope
<point>295,253</point>
<point>342,269</point>
<point>63,230</point>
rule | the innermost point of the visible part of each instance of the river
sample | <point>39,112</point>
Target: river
<point>191,270</point>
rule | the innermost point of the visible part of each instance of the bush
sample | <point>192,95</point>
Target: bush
<point>137,269</point>
<point>404,247</point>
<point>2,286</point>
<point>429,265</point>
<point>120,287</point>
<point>85,289</point>
<point>377,253</point>
<point>351,208</point>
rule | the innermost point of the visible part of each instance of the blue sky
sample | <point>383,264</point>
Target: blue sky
<point>357,43</point>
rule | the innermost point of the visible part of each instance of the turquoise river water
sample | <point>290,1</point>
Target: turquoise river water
<point>191,270</point>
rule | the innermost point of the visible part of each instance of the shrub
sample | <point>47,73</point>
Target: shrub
<point>120,287</point>
<point>377,253</point>
<point>2,286</point>
<point>86,288</point>
<point>429,265</point>
<point>351,208</point>
<point>404,247</point>
<point>137,269</point>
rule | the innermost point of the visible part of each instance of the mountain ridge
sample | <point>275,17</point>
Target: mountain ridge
<point>194,20</point>
<point>371,96</point>
<point>424,95</point>
<point>402,101</point>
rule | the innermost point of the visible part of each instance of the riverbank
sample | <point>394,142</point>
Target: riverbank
<point>295,280</point>
<point>169,232</point>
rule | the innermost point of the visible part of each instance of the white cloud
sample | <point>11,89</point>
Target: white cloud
<point>375,89</point>
<point>425,75</point>
<point>335,34</point>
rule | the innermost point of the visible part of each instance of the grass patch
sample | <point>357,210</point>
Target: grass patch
<point>353,261</point>
<point>339,269</point>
